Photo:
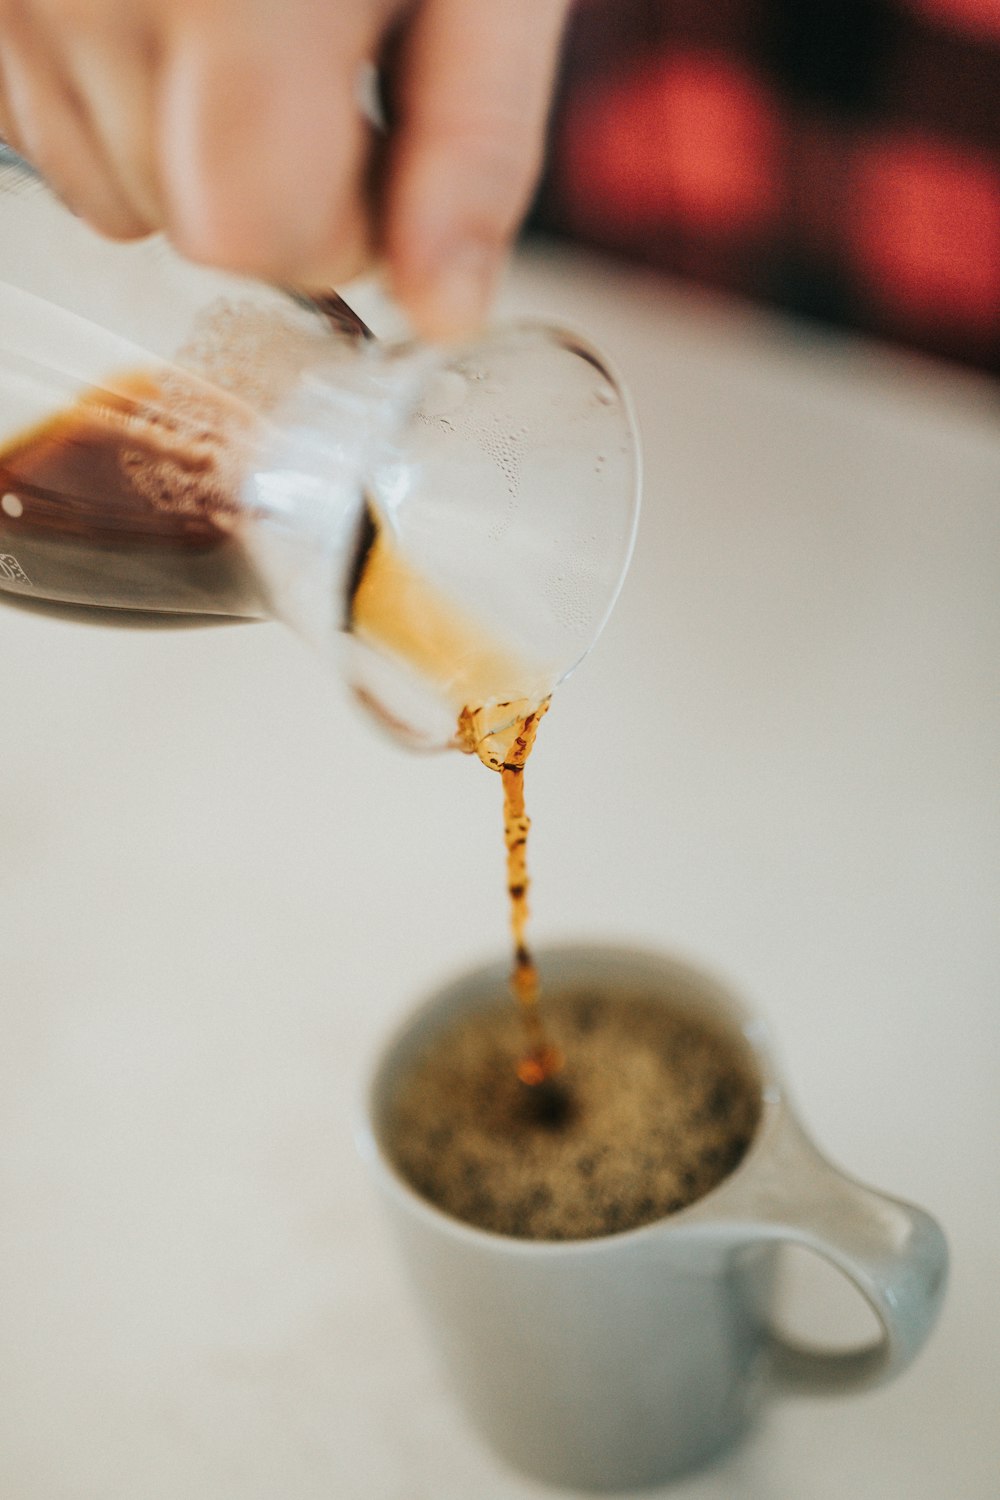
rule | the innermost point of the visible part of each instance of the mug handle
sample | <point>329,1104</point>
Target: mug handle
<point>893,1253</point>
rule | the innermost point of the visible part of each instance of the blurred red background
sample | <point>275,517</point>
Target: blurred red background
<point>839,159</point>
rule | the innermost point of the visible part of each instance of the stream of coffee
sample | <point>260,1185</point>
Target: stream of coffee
<point>507,751</point>
<point>393,607</point>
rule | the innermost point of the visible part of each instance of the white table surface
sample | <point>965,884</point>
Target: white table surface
<point>219,887</point>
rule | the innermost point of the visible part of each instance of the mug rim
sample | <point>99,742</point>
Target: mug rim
<point>449,997</point>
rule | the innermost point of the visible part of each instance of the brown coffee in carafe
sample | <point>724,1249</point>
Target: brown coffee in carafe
<point>124,501</point>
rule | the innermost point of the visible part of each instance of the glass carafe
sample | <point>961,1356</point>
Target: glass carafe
<point>182,445</point>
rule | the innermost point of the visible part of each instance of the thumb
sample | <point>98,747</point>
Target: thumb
<point>471,98</point>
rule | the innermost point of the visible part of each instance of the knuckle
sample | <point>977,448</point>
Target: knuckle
<point>206,241</point>
<point>220,242</point>
<point>206,219</point>
<point>122,229</point>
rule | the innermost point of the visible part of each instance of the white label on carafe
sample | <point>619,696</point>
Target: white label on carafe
<point>11,570</point>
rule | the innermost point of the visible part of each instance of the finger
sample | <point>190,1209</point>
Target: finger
<point>262,150</point>
<point>115,86</point>
<point>8,130</point>
<point>471,105</point>
<point>50,126</point>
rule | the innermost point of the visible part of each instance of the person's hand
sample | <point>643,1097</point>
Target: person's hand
<point>235,126</point>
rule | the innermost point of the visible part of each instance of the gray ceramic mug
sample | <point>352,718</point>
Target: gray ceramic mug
<point>618,1362</point>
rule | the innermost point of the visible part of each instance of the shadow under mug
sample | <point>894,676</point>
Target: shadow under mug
<point>620,1362</point>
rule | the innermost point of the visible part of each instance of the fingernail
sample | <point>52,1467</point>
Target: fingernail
<point>463,288</point>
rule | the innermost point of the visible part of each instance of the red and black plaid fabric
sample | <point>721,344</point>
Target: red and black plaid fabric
<point>836,158</point>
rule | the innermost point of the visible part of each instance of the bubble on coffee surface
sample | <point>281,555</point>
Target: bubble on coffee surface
<point>655,1109</point>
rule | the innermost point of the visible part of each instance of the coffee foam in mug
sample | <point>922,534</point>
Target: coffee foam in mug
<point>660,1108</point>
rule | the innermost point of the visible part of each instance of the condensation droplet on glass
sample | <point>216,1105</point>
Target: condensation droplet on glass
<point>445,393</point>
